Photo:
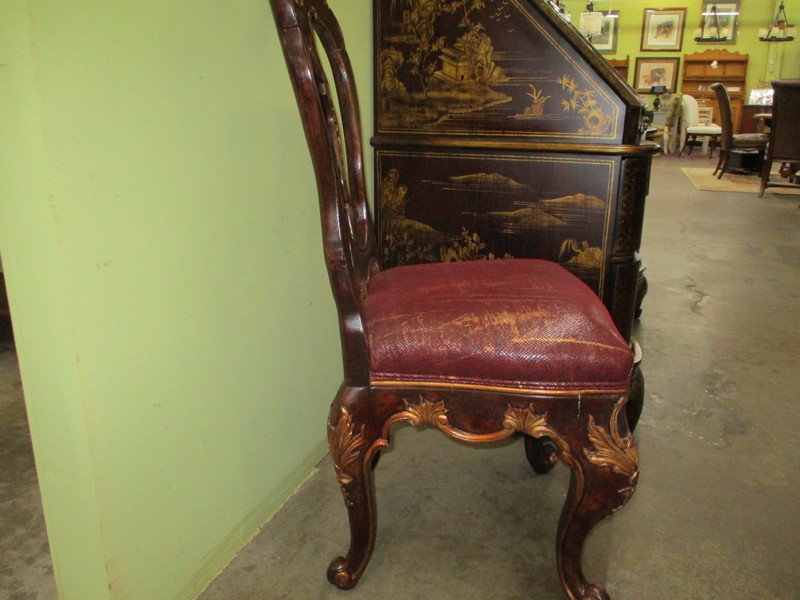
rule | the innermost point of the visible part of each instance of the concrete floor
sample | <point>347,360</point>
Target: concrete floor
<point>716,514</point>
<point>26,572</point>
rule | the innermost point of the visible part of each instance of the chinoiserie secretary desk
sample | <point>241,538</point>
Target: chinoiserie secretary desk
<point>527,137</point>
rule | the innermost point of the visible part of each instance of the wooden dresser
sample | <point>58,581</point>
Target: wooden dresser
<point>526,136</point>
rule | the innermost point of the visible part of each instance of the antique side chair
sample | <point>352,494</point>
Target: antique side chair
<point>696,127</point>
<point>784,136</point>
<point>730,141</point>
<point>481,350</point>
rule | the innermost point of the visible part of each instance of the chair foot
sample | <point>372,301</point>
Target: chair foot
<point>542,454</point>
<point>765,171</point>
<point>594,592</point>
<point>721,161</point>
<point>635,404</point>
<point>722,170</point>
<point>340,574</point>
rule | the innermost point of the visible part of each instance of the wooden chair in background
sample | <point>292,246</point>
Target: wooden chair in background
<point>729,141</point>
<point>483,350</point>
<point>697,125</point>
<point>784,135</point>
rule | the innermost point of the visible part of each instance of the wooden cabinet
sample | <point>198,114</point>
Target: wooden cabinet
<point>702,69</point>
<point>525,135</point>
<point>621,65</point>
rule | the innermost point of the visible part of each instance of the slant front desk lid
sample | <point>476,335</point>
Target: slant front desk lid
<point>497,68</point>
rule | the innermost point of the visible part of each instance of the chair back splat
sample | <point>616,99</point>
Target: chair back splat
<point>725,115</point>
<point>336,152</point>
<point>481,350</point>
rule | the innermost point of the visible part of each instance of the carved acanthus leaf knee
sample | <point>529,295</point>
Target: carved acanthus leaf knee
<point>346,447</point>
<point>614,451</point>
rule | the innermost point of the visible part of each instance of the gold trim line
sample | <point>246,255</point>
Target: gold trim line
<point>495,388</point>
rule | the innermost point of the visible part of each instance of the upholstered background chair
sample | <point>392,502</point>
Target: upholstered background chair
<point>784,135</point>
<point>730,142</point>
<point>697,124</point>
<point>483,350</point>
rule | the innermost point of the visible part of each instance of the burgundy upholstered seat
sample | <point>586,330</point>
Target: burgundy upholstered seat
<point>537,327</point>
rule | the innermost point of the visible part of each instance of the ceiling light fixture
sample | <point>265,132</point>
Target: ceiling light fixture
<point>779,30</point>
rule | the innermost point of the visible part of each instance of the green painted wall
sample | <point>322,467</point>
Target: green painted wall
<point>161,245</point>
<point>755,14</point>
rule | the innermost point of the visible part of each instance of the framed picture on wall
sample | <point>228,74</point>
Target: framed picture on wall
<point>662,30</point>
<point>720,22</point>
<point>606,42</point>
<point>655,71</point>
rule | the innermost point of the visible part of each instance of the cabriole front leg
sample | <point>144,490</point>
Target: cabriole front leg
<point>605,470</point>
<point>350,448</point>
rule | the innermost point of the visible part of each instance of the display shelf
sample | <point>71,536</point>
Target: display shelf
<point>702,69</point>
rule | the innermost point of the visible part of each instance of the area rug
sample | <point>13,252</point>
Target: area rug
<point>702,179</point>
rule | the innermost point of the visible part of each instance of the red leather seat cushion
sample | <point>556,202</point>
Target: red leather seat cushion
<point>518,323</point>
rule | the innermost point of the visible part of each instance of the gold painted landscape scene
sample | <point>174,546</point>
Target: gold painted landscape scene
<point>485,215</point>
<point>441,62</point>
<point>456,67</point>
